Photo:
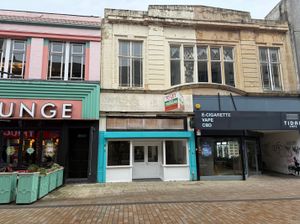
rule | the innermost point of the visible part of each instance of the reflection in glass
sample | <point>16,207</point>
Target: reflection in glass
<point>139,155</point>
<point>152,153</point>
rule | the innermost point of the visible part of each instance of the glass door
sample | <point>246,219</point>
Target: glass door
<point>252,157</point>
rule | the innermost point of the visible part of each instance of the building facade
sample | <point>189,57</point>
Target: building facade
<point>194,92</point>
<point>49,94</point>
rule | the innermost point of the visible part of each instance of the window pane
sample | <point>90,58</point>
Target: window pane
<point>137,49</point>
<point>229,73</point>
<point>175,52</point>
<point>202,53</point>
<point>175,72</point>
<point>189,71</point>
<point>219,157</point>
<point>76,67</point>
<point>124,70</point>
<point>188,53</point>
<point>50,144</point>
<point>215,54</point>
<point>57,47</point>
<point>137,72</point>
<point>19,45</point>
<point>202,71</point>
<point>118,153</point>
<point>176,152</point>
<point>276,76</point>
<point>124,48</point>
<point>2,55</point>
<point>274,55</point>
<point>30,148</point>
<point>139,155</point>
<point>77,48</point>
<point>11,147</point>
<point>228,53</point>
<point>263,55</point>
<point>17,64</point>
<point>265,76</point>
<point>57,66</point>
<point>152,153</point>
<point>216,72</point>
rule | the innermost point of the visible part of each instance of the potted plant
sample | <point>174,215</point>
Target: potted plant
<point>28,183</point>
<point>8,182</point>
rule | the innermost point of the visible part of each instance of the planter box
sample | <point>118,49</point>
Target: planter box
<point>52,180</point>
<point>27,190</point>
<point>8,183</point>
<point>60,177</point>
<point>43,185</point>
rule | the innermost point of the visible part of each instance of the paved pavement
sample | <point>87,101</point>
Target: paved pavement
<point>260,199</point>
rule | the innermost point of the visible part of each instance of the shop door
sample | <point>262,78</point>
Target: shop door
<point>146,160</point>
<point>252,163</point>
<point>78,153</point>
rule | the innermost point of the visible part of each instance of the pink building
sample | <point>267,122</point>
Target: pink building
<point>49,91</point>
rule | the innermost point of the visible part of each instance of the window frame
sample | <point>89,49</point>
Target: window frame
<point>131,58</point>
<point>67,56</point>
<point>208,61</point>
<point>130,153</point>
<point>269,64</point>
<point>7,58</point>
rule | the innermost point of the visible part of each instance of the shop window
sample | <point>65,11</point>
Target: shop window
<point>66,61</point>
<point>219,156</point>
<point>130,63</point>
<point>10,148</point>
<point>270,68</point>
<point>13,58</point>
<point>176,152</point>
<point>50,146</point>
<point>118,153</point>
<point>202,64</point>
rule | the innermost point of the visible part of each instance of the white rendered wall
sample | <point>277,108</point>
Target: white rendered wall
<point>118,174</point>
<point>176,173</point>
<point>95,59</point>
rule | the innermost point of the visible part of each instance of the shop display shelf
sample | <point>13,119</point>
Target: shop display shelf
<point>8,183</point>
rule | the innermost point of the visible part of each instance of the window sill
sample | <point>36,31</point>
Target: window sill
<point>175,165</point>
<point>118,167</point>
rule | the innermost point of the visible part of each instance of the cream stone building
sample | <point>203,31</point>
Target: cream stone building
<point>191,92</point>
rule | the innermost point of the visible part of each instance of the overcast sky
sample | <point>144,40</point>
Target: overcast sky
<point>257,8</point>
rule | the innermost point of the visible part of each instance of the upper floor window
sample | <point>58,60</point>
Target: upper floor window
<point>202,64</point>
<point>130,63</point>
<point>66,61</point>
<point>13,58</point>
<point>270,68</point>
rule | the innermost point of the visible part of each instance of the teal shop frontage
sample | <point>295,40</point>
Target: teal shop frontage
<point>125,156</point>
<point>57,120</point>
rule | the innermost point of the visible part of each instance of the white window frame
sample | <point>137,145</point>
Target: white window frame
<point>131,57</point>
<point>7,55</point>
<point>65,72</point>
<point>208,61</point>
<point>164,160</point>
<point>130,153</point>
<point>269,65</point>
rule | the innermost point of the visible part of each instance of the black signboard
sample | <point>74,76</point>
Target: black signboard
<point>239,120</point>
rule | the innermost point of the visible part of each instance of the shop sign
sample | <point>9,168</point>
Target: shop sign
<point>174,102</point>
<point>39,109</point>
<point>290,121</point>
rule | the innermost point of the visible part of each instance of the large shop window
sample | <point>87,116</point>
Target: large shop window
<point>176,152</point>
<point>130,63</point>
<point>196,63</point>
<point>20,149</point>
<point>219,156</point>
<point>13,58</point>
<point>66,61</point>
<point>270,68</point>
<point>118,153</point>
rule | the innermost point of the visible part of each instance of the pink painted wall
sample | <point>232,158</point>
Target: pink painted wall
<point>36,58</point>
<point>95,60</point>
